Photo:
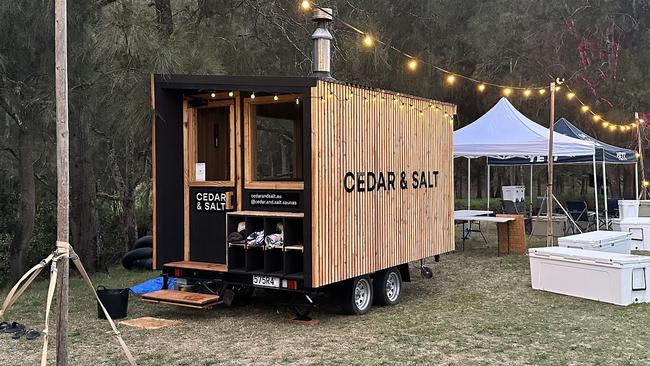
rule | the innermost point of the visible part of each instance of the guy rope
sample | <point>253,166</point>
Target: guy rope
<point>63,251</point>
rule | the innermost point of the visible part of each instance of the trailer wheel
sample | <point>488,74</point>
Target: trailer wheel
<point>358,295</point>
<point>388,287</point>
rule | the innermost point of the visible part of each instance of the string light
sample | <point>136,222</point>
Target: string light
<point>451,77</point>
<point>253,96</point>
<point>231,94</point>
<point>297,101</point>
<point>275,97</point>
<point>368,41</point>
<point>646,183</point>
<point>527,93</point>
<point>213,95</point>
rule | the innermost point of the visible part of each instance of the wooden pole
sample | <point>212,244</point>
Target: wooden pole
<point>640,148</point>
<point>549,184</point>
<point>63,177</point>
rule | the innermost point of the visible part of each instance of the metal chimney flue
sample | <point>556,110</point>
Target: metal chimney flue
<point>321,65</point>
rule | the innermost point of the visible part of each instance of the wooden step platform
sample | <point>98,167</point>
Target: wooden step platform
<point>199,266</point>
<point>182,298</point>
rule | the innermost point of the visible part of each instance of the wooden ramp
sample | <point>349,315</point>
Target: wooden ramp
<point>182,298</point>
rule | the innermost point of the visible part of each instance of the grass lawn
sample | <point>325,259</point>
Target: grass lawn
<point>478,309</point>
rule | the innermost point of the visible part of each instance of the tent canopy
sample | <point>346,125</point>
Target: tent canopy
<point>504,132</point>
<point>604,152</point>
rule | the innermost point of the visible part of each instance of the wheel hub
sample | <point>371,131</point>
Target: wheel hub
<point>362,294</point>
<point>392,286</point>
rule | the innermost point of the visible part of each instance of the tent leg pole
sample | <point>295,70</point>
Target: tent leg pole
<point>595,190</point>
<point>636,180</point>
<point>488,186</point>
<point>469,183</point>
<point>531,187</point>
<point>605,195</point>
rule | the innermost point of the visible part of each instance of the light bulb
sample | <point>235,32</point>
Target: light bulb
<point>542,91</point>
<point>507,91</point>
<point>481,87</point>
<point>305,5</point>
<point>368,41</point>
<point>253,96</point>
<point>231,94</point>
<point>297,101</point>
<point>527,93</point>
<point>451,79</point>
<point>570,95</point>
<point>413,64</point>
<point>275,97</point>
<point>596,118</point>
<point>584,108</point>
<point>213,95</point>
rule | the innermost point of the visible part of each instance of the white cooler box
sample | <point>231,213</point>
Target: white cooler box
<point>639,227</point>
<point>513,193</point>
<point>603,241</point>
<point>620,279</point>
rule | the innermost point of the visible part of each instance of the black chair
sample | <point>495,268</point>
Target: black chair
<point>518,208</point>
<point>612,212</point>
<point>580,214</point>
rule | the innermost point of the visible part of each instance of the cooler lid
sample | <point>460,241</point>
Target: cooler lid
<point>595,238</point>
<point>573,254</point>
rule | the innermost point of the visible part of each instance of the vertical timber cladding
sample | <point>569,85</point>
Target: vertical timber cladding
<point>356,230</point>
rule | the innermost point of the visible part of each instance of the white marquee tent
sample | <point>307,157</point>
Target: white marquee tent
<point>504,132</point>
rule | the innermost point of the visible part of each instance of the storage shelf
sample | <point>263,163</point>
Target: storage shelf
<point>286,261</point>
<point>294,247</point>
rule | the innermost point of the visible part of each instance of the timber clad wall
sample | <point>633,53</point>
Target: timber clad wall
<point>359,232</point>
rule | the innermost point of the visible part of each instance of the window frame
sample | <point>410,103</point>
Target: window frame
<point>192,150</point>
<point>249,182</point>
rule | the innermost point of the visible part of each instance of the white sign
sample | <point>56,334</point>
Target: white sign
<point>200,172</point>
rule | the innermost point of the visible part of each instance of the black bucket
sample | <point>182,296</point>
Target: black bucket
<point>116,302</point>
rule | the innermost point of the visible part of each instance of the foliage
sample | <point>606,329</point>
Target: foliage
<point>600,46</point>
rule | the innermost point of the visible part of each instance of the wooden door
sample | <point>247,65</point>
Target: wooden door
<point>210,177</point>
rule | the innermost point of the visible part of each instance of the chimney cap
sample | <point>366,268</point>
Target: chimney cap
<point>322,14</point>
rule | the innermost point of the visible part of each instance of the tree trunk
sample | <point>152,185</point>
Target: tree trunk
<point>27,209</point>
<point>164,17</point>
<point>85,227</point>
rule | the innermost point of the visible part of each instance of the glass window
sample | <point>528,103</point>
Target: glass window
<point>212,137</point>
<point>277,141</point>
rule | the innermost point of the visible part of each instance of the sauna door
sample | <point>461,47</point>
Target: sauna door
<point>210,179</point>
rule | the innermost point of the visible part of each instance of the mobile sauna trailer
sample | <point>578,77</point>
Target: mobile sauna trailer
<point>297,183</point>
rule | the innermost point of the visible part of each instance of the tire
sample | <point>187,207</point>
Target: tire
<point>134,255</point>
<point>144,242</point>
<point>388,287</point>
<point>357,296</point>
<point>144,263</point>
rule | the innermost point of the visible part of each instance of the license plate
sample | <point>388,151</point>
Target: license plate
<point>266,281</point>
